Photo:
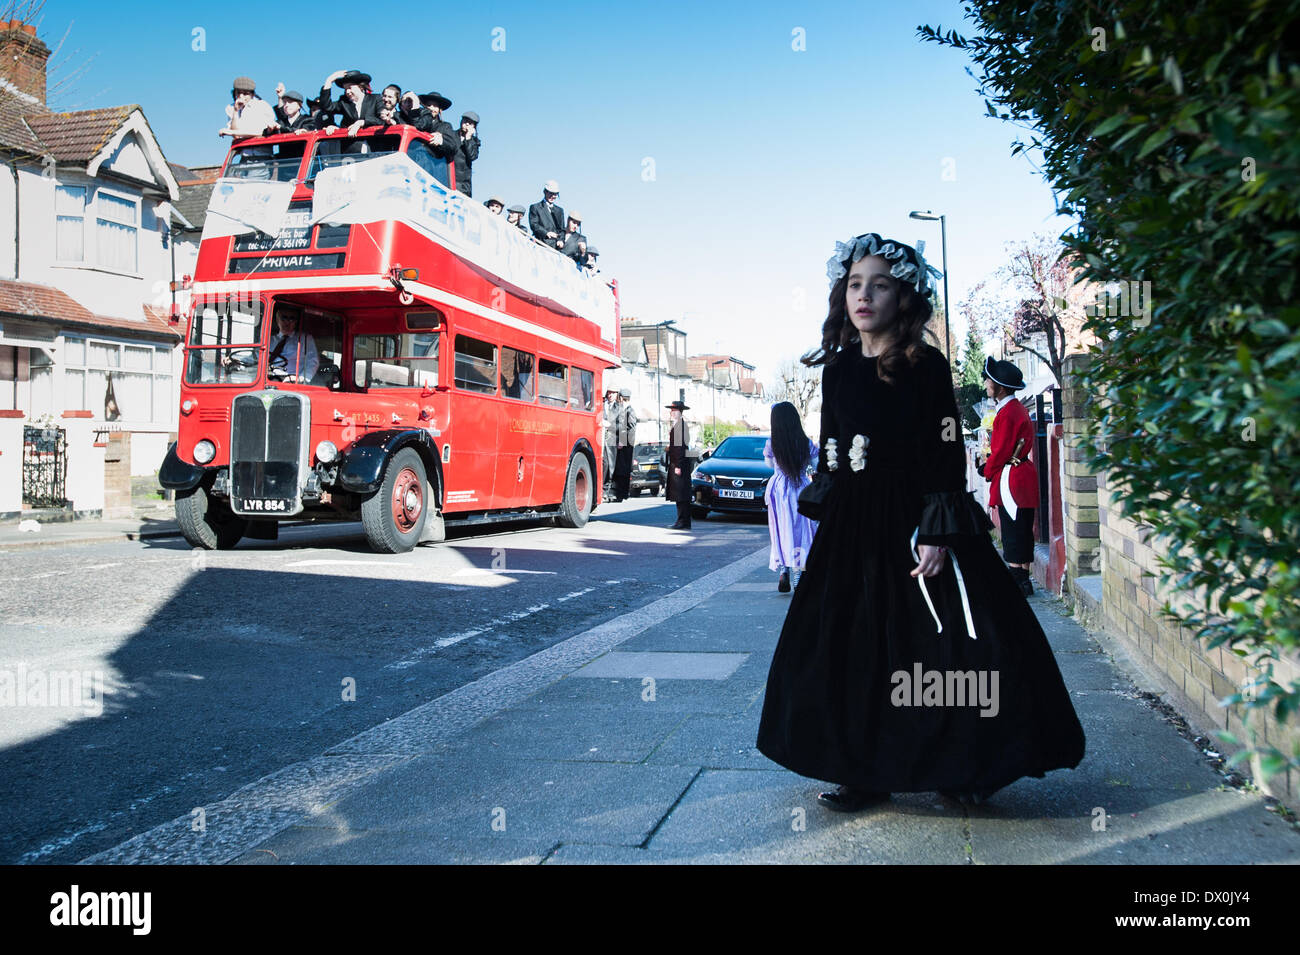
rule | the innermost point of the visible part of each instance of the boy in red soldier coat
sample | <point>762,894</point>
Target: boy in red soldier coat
<point>1010,471</point>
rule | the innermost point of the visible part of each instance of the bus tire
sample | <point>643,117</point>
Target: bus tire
<point>207,522</point>
<point>393,517</point>
<point>576,506</point>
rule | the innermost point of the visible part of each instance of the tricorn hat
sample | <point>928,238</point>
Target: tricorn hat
<point>435,99</point>
<point>351,77</point>
<point>679,405</point>
<point>468,114</point>
<point>1003,373</point>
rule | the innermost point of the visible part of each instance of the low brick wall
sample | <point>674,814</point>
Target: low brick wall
<point>1100,540</point>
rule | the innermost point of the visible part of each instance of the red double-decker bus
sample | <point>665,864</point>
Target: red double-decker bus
<point>367,343</point>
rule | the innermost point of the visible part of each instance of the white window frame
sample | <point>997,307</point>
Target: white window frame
<point>139,224</point>
<point>85,202</point>
<point>162,356</point>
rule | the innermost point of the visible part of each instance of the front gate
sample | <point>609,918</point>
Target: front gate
<point>45,467</point>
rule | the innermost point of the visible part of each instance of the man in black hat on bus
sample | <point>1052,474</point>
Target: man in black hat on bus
<point>467,151</point>
<point>546,218</point>
<point>515,216</point>
<point>426,112</point>
<point>358,106</point>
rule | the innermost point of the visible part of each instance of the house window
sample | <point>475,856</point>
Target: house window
<point>69,223</point>
<point>136,377</point>
<point>117,225</point>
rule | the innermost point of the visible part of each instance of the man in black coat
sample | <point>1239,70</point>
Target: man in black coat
<point>515,216</point>
<point>625,443</point>
<point>679,465</point>
<point>357,107</point>
<point>546,218</point>
<point>575,243</point>
<point>426,116</point>
<point>290,113</point>
<point>467,152</point>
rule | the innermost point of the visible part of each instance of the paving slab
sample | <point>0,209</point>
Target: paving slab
<point>450,798</point>
<point>683,696</point>
<point>1056,825</point>
<point>663,665</point>
<point>595,733</point>
<point>716,742</point>
<point>774,815</point>
<point>306,845</point>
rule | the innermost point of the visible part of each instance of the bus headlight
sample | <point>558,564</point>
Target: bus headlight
<point>326,452</point>
<point>204,451</point>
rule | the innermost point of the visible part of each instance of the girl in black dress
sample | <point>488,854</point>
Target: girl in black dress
<point>909,660</point>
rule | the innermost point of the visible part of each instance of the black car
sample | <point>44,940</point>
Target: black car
<point>647,471</point>
<point>733,478</point>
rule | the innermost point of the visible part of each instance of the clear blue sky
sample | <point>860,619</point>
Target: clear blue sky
<point>763,156</point>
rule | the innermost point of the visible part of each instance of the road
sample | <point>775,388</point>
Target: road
<point>217,668</point>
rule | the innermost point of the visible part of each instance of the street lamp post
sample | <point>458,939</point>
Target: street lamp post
<point>947,303</point>
<point>659,380</point>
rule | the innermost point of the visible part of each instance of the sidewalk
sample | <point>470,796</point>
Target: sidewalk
<point>159,523</point>
<point>571,756</point>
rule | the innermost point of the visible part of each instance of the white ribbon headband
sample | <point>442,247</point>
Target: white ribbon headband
<point>909,263</point>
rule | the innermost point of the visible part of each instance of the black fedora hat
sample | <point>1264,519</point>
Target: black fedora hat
<point>353,76</point>
<point>679,405</point>
<point>435,99</point>
<point>1003,373</point>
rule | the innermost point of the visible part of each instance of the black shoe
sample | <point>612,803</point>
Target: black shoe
<point>849,799</point>
<point>679,526</point>
<point>783,584</point>
<point>1027,586</point>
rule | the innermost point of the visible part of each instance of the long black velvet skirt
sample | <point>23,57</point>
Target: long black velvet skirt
<point>865,690</point>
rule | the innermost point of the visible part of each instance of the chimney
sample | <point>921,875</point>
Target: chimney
<point>22,58</point>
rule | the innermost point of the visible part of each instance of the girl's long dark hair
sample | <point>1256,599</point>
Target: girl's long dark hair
<point>789,442</point>
<point>914,313</point>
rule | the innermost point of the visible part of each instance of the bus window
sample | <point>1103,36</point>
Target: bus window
<point>476,365</point>
<point>325,332</point>
<point>553,386</point>
<point>423,157</point>
<point>216,326</point>
<point>279,161</point>
<point>516,374</point>
<point>584,389</point>
<point>340,152</point>
<point>395,361</point>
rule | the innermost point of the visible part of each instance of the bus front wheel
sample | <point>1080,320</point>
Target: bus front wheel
<point>576,506</point>
<point>207,522</point>
<point>393,517</point>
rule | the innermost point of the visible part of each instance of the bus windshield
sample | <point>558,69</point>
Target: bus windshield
<point>224,335</point>
<point>339,152</point>
<point>278,161</point>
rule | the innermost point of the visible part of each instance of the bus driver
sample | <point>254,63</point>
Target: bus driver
<point>292,351</point>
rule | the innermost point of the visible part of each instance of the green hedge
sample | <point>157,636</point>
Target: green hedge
<point>1171,133</point>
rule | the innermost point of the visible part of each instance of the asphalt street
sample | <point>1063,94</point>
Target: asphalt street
<point>219,668</point>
